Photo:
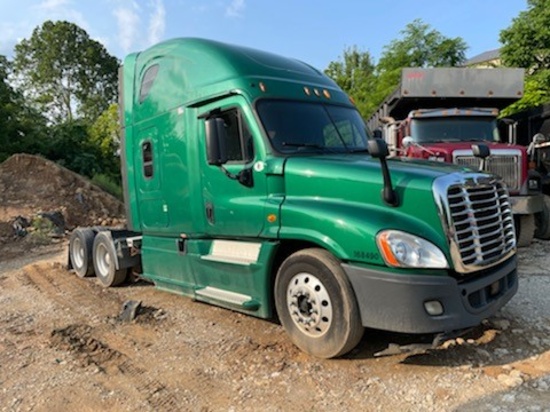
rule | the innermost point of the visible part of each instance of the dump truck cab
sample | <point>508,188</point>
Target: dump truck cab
<point>440,113</point>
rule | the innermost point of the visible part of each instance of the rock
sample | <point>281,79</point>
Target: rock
<point>502,324</point>
<point>510,380</point>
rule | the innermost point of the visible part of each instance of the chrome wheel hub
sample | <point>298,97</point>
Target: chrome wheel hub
<point>309,304</point>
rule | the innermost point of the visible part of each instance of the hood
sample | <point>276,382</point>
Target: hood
<point>447,148</point>
<point>353,177</point>
<point>357,180</point>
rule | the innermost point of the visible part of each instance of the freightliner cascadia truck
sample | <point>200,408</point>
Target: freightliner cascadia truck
<point>251,182</point>
<point>439,113</point>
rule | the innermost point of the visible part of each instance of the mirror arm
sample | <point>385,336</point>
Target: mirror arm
<point>244,177</point>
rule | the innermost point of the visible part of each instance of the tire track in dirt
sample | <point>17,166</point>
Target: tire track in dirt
<point>91,345</point>
<point>87,348</point>
<point>82,296</point>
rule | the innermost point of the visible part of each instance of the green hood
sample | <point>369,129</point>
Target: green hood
<point>336,200</point>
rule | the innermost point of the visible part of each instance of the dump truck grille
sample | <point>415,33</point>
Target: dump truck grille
<point>478,218</point>
<point>505,164</point>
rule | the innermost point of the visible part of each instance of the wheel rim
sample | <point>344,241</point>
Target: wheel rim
<point>103,260</point>
<point>77,253</point>
<point>309,304</point>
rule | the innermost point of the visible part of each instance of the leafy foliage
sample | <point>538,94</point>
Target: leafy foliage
<point>526,43</point>
<point>419,46</point>
<point>65,73</point>
<point>21,128</point>
<point>355,75</point>
<point>109,184</point>
<point>105,131</point>
<point>536,93</point>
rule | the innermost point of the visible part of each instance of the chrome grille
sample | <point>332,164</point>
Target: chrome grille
<point>505,164</point>
<point>478,216</point>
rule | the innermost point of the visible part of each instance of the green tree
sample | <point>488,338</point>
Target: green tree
<point>354,73</point>
<point>21,128</point>
<point>105,135</point>
<point>65,73</point>
<point>526,43</point>
<point>419,46</point>
<point>69,145</point>
<point>105,131</point>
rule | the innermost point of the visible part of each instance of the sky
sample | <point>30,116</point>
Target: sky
<point>314,31</point>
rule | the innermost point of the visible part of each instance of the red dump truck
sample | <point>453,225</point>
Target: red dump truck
<point>439,114</point>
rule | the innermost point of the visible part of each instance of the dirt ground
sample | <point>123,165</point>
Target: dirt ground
<point>63,345</point>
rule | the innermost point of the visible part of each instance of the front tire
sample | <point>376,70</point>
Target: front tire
<point>105,261</point>
<point>316,304</point>
<point>542,220</point>
<point>525,230</point>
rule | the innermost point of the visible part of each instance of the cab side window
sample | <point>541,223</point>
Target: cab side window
<point>147,157</point>
<point>239,139</point>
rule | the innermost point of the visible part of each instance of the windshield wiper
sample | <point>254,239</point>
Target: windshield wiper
<point>304,144</point>
<point>309,145</point>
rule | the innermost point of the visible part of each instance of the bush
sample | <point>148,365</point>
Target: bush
<point>108,184</point>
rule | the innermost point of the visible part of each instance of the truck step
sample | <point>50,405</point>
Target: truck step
<point>231,298</point>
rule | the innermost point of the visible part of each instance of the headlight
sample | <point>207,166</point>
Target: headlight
<point>401,249</point>
<point>436,158</point>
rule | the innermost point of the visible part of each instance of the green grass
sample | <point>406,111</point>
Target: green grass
<point>108,184</point>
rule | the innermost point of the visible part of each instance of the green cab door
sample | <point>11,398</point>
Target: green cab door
<point>231,208</point>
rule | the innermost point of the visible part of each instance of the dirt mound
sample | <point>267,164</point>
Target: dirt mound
<point>39,195</point>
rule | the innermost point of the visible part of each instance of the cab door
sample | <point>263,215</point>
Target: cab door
<point>231,208</point>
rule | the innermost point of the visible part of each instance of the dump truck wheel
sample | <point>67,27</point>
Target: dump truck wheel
<point>105,261</point>
<point>542,220</point>
<point>316,304</point>
<point>525,230</point>
<point>80,251</point>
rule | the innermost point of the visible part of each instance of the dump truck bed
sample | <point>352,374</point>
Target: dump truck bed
<point>451,87</point>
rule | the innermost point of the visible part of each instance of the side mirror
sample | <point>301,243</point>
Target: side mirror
<point>480,150</point>
<point>507,121</point>
<point>539,138</point>
<point>407,142</point>
<point>377,134</point>
<point>483,152</point>
<point>216,136</point>
<point>378,148</point>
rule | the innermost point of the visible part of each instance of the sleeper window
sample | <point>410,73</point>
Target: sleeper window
<point>147,155</point>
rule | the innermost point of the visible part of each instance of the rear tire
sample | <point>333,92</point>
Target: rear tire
<point>80,251</point>
<point>525,230</point>
<point>542,220</point>
<point>105,260</point>
<point>316,304</point>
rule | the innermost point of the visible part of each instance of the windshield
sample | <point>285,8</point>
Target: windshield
<point>454,129</point>
<point>302,127</point>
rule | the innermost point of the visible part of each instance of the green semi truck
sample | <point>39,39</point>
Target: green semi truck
<point>251,182</point>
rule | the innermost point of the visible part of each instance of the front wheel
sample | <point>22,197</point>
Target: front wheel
<point>316,304</point>
<point>525,230</point>
<point>105,261</point>
<point>542,220</point>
